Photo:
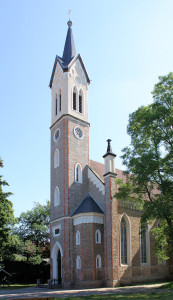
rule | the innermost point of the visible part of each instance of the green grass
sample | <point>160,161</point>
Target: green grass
<point>138,296</point>
<point>167,285</point>
<point>16,286</point>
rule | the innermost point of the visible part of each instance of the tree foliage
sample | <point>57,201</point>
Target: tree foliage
<point>7,219</point>
<point>33,234</point>
<point>149,162</point>
<point>34,224</point>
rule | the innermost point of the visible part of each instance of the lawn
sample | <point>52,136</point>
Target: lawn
<point>139,296</point>
<point>168,285</point>
<point>16,286</point>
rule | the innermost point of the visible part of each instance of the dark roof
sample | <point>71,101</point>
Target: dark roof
<point>88,204</point>
<point>69,48</point>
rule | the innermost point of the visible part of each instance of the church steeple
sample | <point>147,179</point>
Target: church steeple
<point>69,48</point>
<point>69,55</point>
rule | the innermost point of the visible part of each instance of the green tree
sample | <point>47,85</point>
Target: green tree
<point>34,227</point>
<point>7,219</point>
<point>149,162</point>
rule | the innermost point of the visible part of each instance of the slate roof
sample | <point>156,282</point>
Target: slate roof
<point>88,204</point>
<point>69,48</point>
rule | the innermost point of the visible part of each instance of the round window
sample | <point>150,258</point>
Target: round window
<point>77,80</point>
<point>78,132</point>
<point>57,134</point>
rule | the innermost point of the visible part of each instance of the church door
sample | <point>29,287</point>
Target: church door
<point>59,266</point>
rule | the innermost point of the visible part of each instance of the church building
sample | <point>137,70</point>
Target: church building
<point>95,240</point>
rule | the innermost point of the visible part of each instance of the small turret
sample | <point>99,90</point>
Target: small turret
<point>109,158</point>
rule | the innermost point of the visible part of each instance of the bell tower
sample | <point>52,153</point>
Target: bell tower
<point>69,153</point>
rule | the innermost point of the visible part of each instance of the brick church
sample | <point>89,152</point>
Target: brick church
<point>95,240</point>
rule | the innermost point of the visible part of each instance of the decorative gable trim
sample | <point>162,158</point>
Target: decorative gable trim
<point>66,68</point>
<point>96,180</point>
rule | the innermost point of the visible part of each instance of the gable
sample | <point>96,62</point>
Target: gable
<point>66,67</point>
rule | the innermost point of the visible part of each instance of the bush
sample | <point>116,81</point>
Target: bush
<point>24,272</point>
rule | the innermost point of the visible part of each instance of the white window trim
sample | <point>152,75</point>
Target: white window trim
<point>80,175</point>
<point>128,227</point>
<point>78,262</point>
<point>99,260</point>
<point>83,102</point>
<point>56,194</point>
<point>54,228</point>
<point>56,158</point>
<point>78,238</point>
<point>77,100</point>
<point>99,236</point>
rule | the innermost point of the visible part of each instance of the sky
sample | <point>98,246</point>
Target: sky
<point>125,45</point>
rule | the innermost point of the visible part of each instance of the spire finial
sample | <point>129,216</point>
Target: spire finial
<point>109,149</point>
<point>69,23</point>
<point>69,13</point>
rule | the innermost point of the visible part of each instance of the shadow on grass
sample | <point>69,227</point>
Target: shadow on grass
<point>16,286</point>
<point>138,296</point>
<point>168,285</point>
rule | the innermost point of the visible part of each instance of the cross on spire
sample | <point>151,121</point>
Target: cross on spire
<point>69,13</point>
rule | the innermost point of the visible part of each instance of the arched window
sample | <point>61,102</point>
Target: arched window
<point>78,173</point>
<point>80,101</point>
<point>78,263</point>
<point>98,261</point>
<point>125,240</point>
<point>56,105</point>
<point>145,245</point>
<point>56,158</point>
<point>98,236</point>
<point>74,98</point>
<point>56,196</point>
<point>77,238</point>
<point>60,100</point>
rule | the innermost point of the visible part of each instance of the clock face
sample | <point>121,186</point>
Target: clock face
<point>57,134</point>
<point>78,132</point>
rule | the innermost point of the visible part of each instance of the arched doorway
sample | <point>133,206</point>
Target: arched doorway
<point>59,266</point>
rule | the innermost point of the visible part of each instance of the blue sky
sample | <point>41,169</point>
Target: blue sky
<point>125,46</point>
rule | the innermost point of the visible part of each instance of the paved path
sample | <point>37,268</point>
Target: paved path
<point>34,292</point>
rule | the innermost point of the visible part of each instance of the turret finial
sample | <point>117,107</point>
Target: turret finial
<point>69,13</point>
<point>109,149</point>
<point>69,23</point>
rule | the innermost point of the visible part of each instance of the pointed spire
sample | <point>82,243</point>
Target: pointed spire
<point>69,48</point>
